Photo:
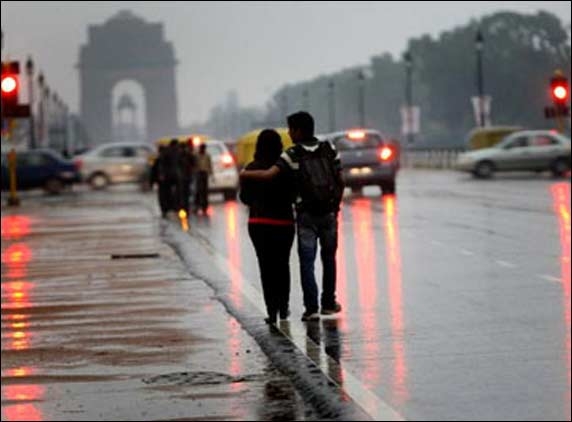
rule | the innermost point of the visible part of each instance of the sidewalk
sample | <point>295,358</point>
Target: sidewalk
<point>101,321</point>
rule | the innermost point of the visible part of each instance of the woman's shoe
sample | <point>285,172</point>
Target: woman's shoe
<point>270,320</point>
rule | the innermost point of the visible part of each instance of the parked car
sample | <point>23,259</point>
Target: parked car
<point>43,168</point>
<point>367,158</point>
<point>117,162</point>
<point>529,150</point>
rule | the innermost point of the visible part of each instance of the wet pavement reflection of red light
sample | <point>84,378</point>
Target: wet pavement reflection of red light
<point>561,203</point>
<point>18,400</point>
<point>393,261</point>
<point>15,226</point>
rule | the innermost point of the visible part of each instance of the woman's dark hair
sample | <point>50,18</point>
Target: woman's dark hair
<point>268,146</point>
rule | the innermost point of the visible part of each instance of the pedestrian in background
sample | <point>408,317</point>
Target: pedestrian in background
<point>158,177</point>
<point>204,171</point>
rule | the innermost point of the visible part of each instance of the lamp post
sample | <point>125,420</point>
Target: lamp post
<point>409,95</point>
<point>56,121</point>
<point>361,98</point>
<point>41,117</point>
<point>30,75</point>
<point>479,44</point>
<point>47,116</point>
<point>332,104</point>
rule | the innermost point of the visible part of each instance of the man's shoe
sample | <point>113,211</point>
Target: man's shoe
<point>330,311</point>
<point>310,316</point>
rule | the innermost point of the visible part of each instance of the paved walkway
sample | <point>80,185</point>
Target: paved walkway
<point>101,321</point>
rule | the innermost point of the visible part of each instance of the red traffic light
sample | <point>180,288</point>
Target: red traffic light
<point>9,84</point>
<point>560,93</point>
<point>559,89</point>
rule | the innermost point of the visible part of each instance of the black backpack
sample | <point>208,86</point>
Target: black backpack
<point>318,182</point>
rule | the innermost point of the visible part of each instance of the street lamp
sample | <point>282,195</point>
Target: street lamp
<point>409,95</point>
<point>47,116</point>
<point>332,103</point>
<point>361,98</point>
<point>41,116</point>
<point>479,44</point>
<point>30,75</point>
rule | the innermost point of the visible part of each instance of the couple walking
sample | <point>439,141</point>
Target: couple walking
<point>307,175</point>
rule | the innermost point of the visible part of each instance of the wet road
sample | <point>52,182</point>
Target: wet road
<point>455,295</point>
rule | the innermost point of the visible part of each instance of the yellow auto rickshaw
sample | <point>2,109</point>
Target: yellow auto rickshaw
<point>486,137</point>
<point>246,145</point>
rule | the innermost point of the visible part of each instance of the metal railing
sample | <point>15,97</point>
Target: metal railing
<point>430,158</point>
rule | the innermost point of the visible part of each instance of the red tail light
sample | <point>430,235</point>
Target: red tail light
<point>385,154</point>
<point>78,164</point>
<point>227,160</point>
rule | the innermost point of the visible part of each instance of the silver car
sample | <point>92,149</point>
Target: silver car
<point>120,162</point>
<point>529,150</point>
<point>225,174</point>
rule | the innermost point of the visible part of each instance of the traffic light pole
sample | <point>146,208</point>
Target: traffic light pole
<point>13,199</point>
<point>560,92</point>
<point>560,123</point>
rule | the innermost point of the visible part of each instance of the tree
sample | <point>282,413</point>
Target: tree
<point>520,54</point>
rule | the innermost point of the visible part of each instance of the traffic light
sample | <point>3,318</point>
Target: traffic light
<point>10,92</point>
<point>559,89</point>
<point>10,83</point>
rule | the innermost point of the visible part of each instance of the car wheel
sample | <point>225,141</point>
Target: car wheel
<point>388,187</point>
<point>53,186</point>
<point>229,195</point>
<point>98,181</point>
<point>559,167</point>
<point>484,169</point>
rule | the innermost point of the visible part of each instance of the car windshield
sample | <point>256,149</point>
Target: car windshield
<point>358,141</point>
<point>215,149</point>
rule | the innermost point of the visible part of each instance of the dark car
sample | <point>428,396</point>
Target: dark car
<point>44,169</point>
<point>367,159</point>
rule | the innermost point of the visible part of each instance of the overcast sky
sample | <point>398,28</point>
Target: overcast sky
<point>253,47</point>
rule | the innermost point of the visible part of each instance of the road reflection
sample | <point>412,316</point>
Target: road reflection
<point>233,245</point>
<point>393,262</point>
<point>15,226</point>
<point>561,204</point>
<point>377,294</point>
<point>366,284</point>
<point>18,397</point>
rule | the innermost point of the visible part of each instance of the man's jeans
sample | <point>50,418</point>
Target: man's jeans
<point>310,229</point>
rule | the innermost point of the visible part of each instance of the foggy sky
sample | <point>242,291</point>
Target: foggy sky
<point>253,47</point>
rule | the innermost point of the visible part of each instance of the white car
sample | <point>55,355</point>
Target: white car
<point>225,174</point>
<point>116,162</point>
<point>528,150</point>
